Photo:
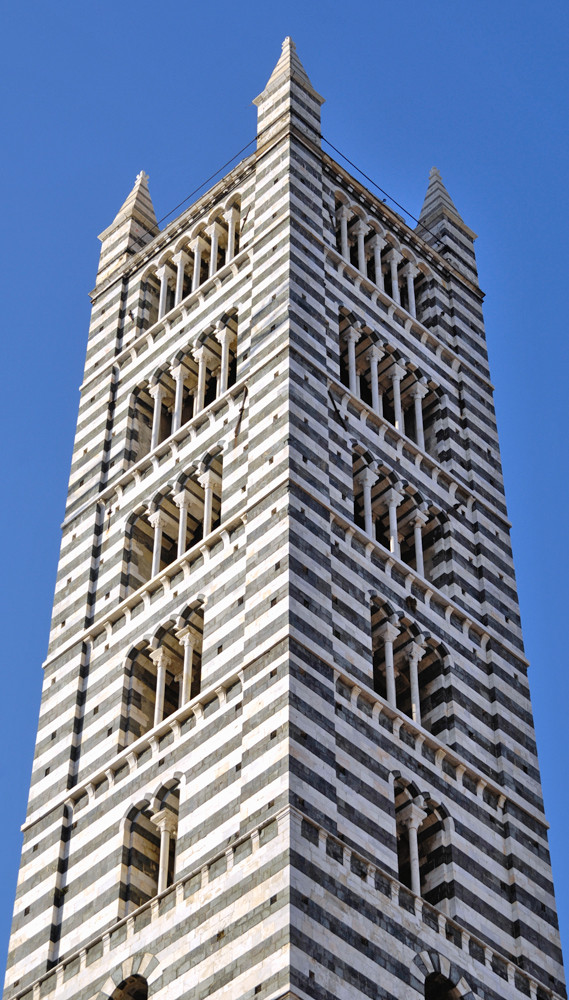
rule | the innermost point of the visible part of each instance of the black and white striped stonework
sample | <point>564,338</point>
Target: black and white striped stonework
<point>287,777</point>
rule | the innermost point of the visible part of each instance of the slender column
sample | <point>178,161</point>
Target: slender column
<point>203,357</point>
<point>393,498</point>
<point>183,501</point>
<point>167,824</point>
<point>214,232</point>
<point>418,392</point>
<point>189,638</point>
<point>389,633</point>
<point>197,247</point>
<point>343,214</point>
<point>416,653</point>
<point>181,260</point>
<point>161,661</point>
<point>208,480</point>
<point>230,217</point>
<point>158,522</point>
<point>157,392</point>
<point>361,229</point>
<point>394,257</point>
<point>413,819</point>
<point>178,373</point>
<point>374,356</point>
<point>367,478</point>
<point>163,274</point>
<point>411,272</point>
<point>420,518</point>
<point>397,373</point>
<point>352,337</point>
<point>225,336</point>
<point>188,670</point>
<point>377,244</point>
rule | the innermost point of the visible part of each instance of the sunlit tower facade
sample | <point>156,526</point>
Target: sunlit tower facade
<point>285,745</point>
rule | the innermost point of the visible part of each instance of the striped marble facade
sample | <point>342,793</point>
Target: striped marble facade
<point>287,772</point>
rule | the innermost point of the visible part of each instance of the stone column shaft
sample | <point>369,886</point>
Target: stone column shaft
<point>162,274</point>
<point>360,229</point>
<point>166,823</point>
<point>414,860</point>
<point>352,338</point>
<point>397,373</point>
<point>418,533</point>
<point>374,356</point>
<point>416,654</point>
<point>224,335</point>
<point>394,257</point>
<point>181,261</point>
<point>178,374</point>
<point>343,215</point>
<point>197,246</point>
<point>378,243</point>
<point>208,480</point>
<point>393,498</point>
<point>202,356</point>
<point>389,633</point>
<point>367,478</point>
<point>157,393</point>
<point>419,393</point>
<point>231,219</point>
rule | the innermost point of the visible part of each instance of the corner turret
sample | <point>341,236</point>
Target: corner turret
<point>288,100</point>
<point>441,225</point>
<point>134,225</point>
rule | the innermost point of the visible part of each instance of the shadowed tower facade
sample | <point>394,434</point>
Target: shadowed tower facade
<point>285,746</point>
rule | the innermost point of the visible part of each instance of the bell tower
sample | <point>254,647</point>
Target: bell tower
<point>285,746</point>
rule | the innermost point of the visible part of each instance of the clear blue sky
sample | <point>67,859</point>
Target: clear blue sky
<point>95,92</point>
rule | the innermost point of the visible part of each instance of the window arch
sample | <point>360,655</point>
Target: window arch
<point>409,668</point>
<point>141,857</point>
<point>177,517</point>
<point>149,852</point>
<point>198,374</point>
<point>395,515</point>
<point>163,673</point>
<point>423,843</point>
<point>438,987</point>
<point>131,988</point>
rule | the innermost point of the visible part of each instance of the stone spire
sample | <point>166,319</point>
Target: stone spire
<point>437,200</point>
<point>288,99</point>
<point>441,225</point>
<point>134,225</point>
<point>290,67</point>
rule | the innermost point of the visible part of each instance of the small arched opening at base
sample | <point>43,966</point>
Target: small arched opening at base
<point>131,988</point>
<point>438,987</point>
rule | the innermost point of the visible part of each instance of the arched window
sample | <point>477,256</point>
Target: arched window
<point>133,988</point>
<point>409,668</point>
<point>141,859</point>
<point>176,519</point>
<point>423,843</point>
<point>437,987</point>
<point>150,298</point>
<point>161,679</point>
<point>150,848</point>
<point>198,375</point>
